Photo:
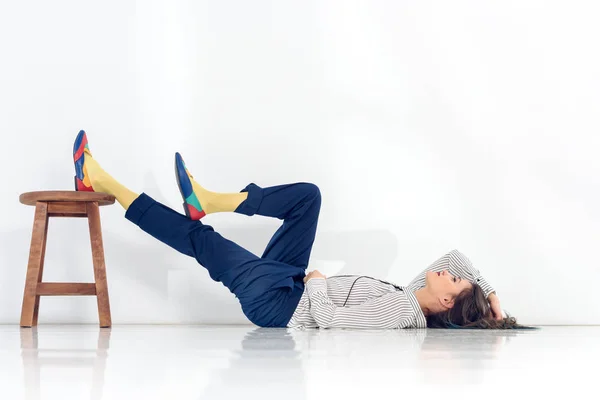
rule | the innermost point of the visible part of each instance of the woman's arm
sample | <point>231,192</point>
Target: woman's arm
<point>392,310</point>
<point>459,265</point>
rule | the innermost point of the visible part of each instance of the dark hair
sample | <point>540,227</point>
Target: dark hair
<point>471,310</point>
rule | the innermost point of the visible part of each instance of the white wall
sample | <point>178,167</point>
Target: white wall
<point>427,125</point>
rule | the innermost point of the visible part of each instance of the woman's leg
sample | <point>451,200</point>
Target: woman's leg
<point>298,205</point>
<point>276,286</point>
<point>102,181</point>
<point>267,290</point>
<point>220,256</point>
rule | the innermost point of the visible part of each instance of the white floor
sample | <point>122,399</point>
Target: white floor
<point>245,362</point>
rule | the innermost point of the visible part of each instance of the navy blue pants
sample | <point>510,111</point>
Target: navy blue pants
<point>268,287</point>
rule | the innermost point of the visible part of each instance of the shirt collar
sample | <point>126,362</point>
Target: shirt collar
<point>420,320</point>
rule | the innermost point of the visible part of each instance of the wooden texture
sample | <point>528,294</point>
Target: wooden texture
<point>64,204</point>
<point>35,266</point>
<point>67,209</point>
<point>66,289</point>
<point>30,198</point>
<point>93,212</point>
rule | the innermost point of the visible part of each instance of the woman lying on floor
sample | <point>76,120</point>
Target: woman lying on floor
<point>274,290</point>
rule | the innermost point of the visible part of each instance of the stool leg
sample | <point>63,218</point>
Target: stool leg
<point>93,213</point>
<point>35,267</point>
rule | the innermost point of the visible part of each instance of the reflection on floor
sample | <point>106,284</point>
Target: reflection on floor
<point>246,362</point>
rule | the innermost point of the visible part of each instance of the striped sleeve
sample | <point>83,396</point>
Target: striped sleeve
<point>392,310</point>
<point>459,265</point>
<point>459,262</point>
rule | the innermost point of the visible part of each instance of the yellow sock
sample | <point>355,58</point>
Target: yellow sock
<point>101,181</point>
<point>213,202</point>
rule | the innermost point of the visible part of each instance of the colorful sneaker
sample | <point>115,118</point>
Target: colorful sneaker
<point>191,204</point>
<point>82,181</point>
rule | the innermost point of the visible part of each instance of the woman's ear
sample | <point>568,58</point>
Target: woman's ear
<point>448,301</point>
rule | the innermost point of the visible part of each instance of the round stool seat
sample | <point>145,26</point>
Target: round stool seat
<point>30,198</point>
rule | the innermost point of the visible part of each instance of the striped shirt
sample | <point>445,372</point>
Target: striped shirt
<point>355,301</point>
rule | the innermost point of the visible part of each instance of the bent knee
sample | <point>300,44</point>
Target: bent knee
<point>311,189</point>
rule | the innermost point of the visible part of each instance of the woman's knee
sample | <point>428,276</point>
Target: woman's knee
<point>311,190</point>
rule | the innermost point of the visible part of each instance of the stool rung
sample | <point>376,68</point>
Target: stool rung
<point>66,289</point>
<point>67,209</point>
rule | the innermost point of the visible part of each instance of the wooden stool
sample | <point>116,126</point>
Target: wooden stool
<point>64,204</point>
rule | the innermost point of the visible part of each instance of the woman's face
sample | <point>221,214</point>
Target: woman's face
<point>445,287</point>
